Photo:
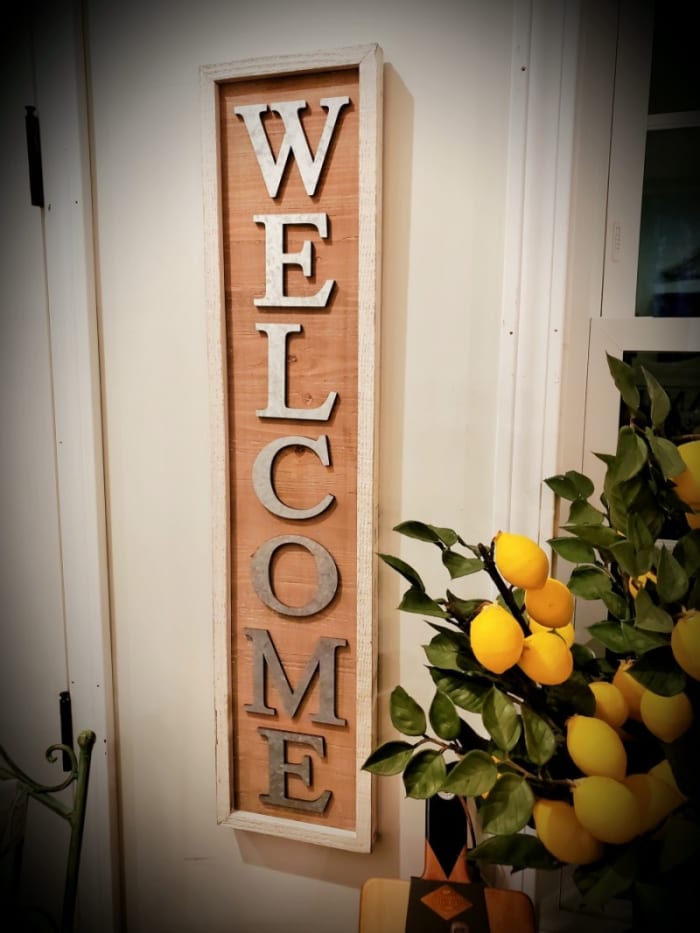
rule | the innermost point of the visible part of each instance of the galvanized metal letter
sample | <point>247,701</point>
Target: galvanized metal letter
<point>277,378</point>
<point>276,259</point>
<point>294,140</point>
<point>279,768</point>
<point>266,660</point>
<point>263,483</point>
<point>326,570</point>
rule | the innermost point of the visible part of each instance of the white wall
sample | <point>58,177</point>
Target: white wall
<point>447,86</point>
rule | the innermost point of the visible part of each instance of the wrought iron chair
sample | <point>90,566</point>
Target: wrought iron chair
<point>78,774</point>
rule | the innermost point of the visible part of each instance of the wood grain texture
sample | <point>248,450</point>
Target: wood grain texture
<point>335,352</point>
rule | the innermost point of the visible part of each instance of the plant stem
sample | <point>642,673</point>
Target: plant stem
<point>506,592</point>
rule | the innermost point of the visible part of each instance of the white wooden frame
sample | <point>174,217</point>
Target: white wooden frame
<point>368,60</point>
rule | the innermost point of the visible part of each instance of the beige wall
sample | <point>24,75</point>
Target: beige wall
<point>447,86</point>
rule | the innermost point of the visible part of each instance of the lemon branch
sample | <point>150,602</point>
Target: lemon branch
<point>534,778</point>
<point>506,592</point>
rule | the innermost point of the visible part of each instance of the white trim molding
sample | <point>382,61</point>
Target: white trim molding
<point>70,270</point>
<point>540,165</point>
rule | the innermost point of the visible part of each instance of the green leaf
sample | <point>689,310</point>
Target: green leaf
<point>639,534</point>
<point>633,562</point>
<point>446,535</point>
<point>443,717</point>
<point>660,402</point>
<point>519,850</point>
<point>583,513</point>
<point>562,486</point>
<point>584,657</point>
<point>389,758</point>
<point>672,580</point>
<point>473,776</point>
<point>666,455</point>
<point>406,715</point>
<point>540,741</point>
<point>470,738</point>
<point>616,604</point>
<point>430,533</point>
<point>501,719</point>
<point>575,693</point>
<point>599,536</point>
<point>630,457</point>
<point>658,672</point>
<point>508,806</point>
<point>454,635</point>
<point>571,485</point>
<point>418,530</point>
<point>460,566</point>
<point>572,549</point>
<point>687,552</point>
<point>589,582</point>
<point>624,379</point>
<point>464,691</point>
<point>601,882</point>
<point>424,775</point>
<point>405,570</point>
<point>463,608</point>
<point>649,616</point>
<point>418,601</point>
<point>625,639</point>
<point>443,651</point>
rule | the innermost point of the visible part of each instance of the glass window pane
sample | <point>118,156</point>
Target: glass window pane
<point>675,63</point>
<point>679,374</point>
<point>668,278</point>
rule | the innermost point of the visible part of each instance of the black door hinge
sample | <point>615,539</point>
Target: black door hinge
<point>36,177</point>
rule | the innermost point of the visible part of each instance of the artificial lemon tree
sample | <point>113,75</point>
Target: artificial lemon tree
<point>586,750</point>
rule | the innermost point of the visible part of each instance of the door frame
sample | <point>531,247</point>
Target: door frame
<point>62,107</point>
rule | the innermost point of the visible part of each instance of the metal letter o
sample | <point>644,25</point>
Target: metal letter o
<point>325,568</point>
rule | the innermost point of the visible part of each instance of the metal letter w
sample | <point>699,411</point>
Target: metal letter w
<point>310,167</point>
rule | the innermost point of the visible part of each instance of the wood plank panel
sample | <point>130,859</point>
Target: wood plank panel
<point>298,687</point>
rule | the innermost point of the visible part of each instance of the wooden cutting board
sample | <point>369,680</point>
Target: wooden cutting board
<point>445,899</point>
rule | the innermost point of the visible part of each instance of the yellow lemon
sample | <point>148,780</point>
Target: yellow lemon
<point>663,772</point>
<point>635,584</point>
<point>666,717</point>
<point>610,703</point>
<point>630,688</point>
<point>551,605</point>
<point>693,520</point>
<point>566,631</point>
<point>685,643</point>
<point>560,832</point>
<point>607,809</point>
<point>546,658</point>
<point>595,747</point>
<point>655,798</point>
<point>496,638</point>
<point>520,560</point>
<point>688,482</point>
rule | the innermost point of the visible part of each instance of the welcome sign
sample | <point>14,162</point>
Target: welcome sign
<point>292,187</point>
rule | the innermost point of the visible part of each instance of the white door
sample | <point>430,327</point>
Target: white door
<point>53,609</point>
